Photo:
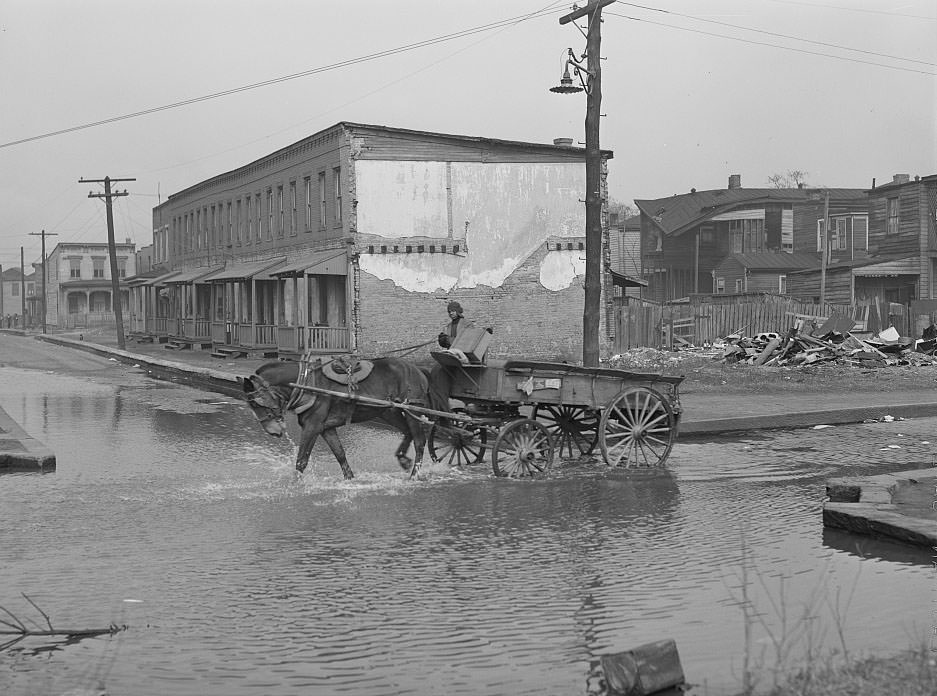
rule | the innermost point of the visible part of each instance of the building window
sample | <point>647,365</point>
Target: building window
<point>782,284</point>
<point>279,211</point>
<point>260,217</point>
<point>738,286</point>
<point>250,220</point>
<point>121,268</point>
<point>292,207</point>
<point>98,268</point>
<point>720,286</point>
<point>337,186</point>
<point>307,184</point>
<point>747,235</point>
<point>213,230</point>
<point>321,200</point>
<point>238,222</point>
<point>230,225</point>
<point>269,213</point>
<point>16,289</point>
<point>891,223</point>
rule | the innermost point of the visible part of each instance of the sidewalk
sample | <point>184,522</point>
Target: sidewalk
<point>704,414</point>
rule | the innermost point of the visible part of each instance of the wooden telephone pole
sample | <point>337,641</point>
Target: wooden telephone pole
<point>112,249</point>
<point>43,234</point>
<point>593,286</point>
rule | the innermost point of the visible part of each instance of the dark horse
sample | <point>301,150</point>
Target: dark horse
<point>270,395</point>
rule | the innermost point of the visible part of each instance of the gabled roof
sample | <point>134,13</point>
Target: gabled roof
<point>679,213</point>
<point>774,261</point>
<point>11,274</point>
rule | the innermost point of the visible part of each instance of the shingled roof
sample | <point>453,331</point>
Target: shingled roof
<point>775,261</point>
<point>682,212</point>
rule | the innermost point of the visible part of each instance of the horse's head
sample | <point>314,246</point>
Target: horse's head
<point>266,403</point>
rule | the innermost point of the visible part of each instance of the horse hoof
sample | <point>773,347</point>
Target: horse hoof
<point>405,462</point>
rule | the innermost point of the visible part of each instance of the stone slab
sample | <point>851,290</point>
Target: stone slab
<point>19,451</point>
<point>898,506</point>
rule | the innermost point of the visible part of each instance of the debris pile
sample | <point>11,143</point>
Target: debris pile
<point>830,344</point>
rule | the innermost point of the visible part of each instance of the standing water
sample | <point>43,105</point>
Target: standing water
<point>172,513</point>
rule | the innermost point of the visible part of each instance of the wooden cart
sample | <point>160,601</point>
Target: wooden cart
<point>534,411</point>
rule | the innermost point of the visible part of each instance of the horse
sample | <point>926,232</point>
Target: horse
<point>270,394</point>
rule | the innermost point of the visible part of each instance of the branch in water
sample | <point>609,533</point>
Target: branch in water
<point>16,628</point>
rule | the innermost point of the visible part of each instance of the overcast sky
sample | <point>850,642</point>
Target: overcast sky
<point>688,99</point>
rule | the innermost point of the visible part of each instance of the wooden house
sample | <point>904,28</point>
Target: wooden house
<point>900,267</point>
<point>684,237</point>
<point>355,238</point>
<point>764,271</point>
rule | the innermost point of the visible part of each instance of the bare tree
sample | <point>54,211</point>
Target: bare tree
<point>793,178</point>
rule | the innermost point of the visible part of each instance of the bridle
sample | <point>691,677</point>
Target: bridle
<point>263,398</point>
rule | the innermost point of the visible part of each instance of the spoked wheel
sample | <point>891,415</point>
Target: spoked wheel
<point>457,446</point>
<point>524,448</point>
<point>574,428</point>
<point>637,429</point>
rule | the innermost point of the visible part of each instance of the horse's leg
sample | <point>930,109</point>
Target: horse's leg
<point>306,441</point>
<point>402,459</point>
<point>418,436</point>
<point>330,435</point>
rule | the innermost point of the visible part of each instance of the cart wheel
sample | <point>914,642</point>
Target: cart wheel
<point>457,447</point>
<point>637,429</point>
<point>523,448</point>
<point>574,428</point>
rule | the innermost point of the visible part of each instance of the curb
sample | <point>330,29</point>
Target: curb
<point>804,419</point>
<point>205,378</point>
<point>19,451</point>
<point>864,505</point>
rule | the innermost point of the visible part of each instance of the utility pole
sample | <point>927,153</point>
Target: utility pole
<point>1,291</point>
<point>593,286</point>
<point>43,234</point>
<point>23,288</point>
<point>825,240</point>
<point>112,249</point>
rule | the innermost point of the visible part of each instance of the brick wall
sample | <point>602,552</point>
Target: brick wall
<point>528,320</point>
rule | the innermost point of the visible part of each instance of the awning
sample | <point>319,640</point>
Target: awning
<point>331,262</point>
<point>161,280</point>
<point>192,275</point>
<point>241,271</point>
<point>625,281</point>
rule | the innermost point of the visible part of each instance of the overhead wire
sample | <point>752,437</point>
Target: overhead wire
<point>772,45</point>
<point>292,76</point>
<point>854,9</point>
<point>774,33</point>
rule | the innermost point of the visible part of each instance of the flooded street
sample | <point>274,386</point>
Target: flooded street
<point>171,512</point>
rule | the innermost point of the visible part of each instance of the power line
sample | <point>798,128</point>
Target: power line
<point>783,36</point>
<point>773,45</point>
<point>855,9</point>
<point>293,76</point>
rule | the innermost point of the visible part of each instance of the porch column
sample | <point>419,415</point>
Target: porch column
<point>253,309</point>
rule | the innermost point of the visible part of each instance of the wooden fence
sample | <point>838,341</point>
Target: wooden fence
<point>642,323</point>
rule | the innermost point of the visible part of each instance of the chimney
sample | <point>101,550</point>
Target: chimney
<point>901,179</point>
<point>735,181</point>
<point>563,141</point>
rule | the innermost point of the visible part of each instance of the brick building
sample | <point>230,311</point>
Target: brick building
<point>355,238</point>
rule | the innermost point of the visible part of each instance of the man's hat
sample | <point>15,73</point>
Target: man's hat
<point>454,306</point>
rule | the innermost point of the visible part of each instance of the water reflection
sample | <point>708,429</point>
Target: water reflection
<point>253,580</point>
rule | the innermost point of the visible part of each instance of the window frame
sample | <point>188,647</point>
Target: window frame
<point>892,215</point>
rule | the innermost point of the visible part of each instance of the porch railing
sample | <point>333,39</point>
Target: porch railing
<point>265,335</point>
<point>196,328</point>
<point>225,332</point>
<point>327,339</point>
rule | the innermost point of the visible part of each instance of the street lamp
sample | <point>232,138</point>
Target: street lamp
<point>590,76</point>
